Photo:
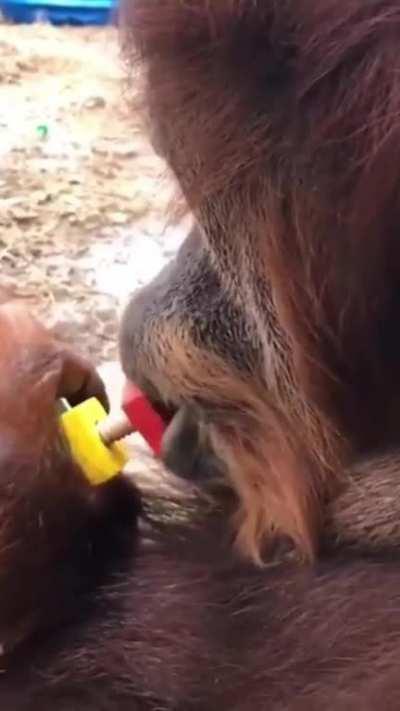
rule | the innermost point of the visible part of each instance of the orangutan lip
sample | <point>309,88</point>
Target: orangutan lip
<point>166,412</point>
<point>154,398</point>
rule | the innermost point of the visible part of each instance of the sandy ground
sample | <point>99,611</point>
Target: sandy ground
<point>83,199</point>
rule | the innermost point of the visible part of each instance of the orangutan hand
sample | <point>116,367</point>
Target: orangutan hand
<point>35,370</point>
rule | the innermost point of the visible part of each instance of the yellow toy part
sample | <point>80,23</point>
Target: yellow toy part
<point>98,461</point>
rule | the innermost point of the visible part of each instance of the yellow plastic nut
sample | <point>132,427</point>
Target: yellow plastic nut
<point>98,461</point>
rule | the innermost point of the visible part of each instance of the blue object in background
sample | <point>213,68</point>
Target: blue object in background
<point>60,12</point>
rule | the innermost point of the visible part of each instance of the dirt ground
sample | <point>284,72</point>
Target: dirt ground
<point>82,197</point>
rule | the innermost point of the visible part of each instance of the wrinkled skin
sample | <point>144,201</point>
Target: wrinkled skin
<point>187,294</point>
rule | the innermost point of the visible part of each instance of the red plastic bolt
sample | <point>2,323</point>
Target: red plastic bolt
<point>143,417</point>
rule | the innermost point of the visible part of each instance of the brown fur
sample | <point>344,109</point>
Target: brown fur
<point>367,513</point>
<point>48,512</point>
<point>280,121</point>
<point>104,608</point>
<point>244,434</point>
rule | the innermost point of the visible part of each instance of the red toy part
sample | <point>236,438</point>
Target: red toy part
<point>143,417</point>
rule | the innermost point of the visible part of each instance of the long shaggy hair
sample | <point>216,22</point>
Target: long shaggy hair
<point>281,122</point>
